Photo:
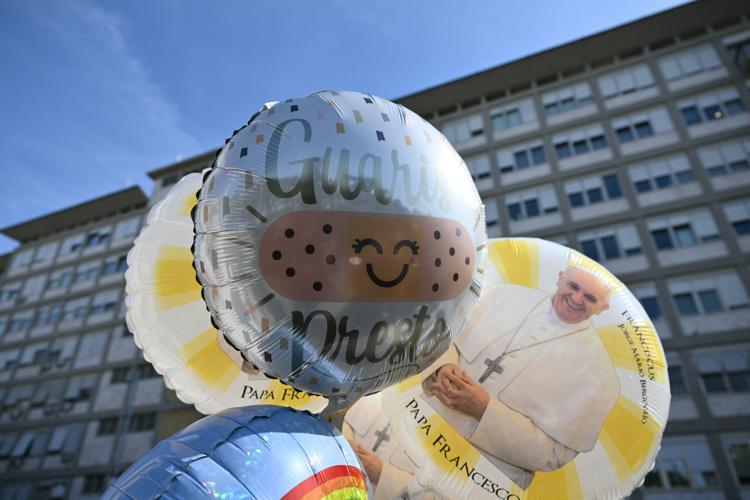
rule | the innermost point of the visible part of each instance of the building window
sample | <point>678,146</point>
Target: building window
<point>60,279</point>
<point>726,158</point>
<point>683,462</point>
<point>662,239</point>
<point>611,244</point>
<point>739,454</point>
<point>532,203</point>
<point>683,229</point>
<point>689,62</point>
<point>21,260</point>
<point>479,168</point>
<point>127,228</point>
<point>463,129</point>
<point>75,309</point>
<point>142,422</point>
<point>578,142</point>
<point>625,81</point>
<point>107,426</point>
<point>711,106</point>
<point>642,125</point>
<point>651,306</point>
<point>81,389</point>
<point>72,244</point>
<point>10,294</point>
<point>566,99</point>
<point>676,380</point>
<point>115,265</point>
<point>119,375</point>
<point>96,239</point>
<point>491,216</point>
<point>724,370</point>
<point>94,483</point>
<point>610,247</point>
<point>505,119</point>
<point>19,324</point>
<point>708,294</point>
<point>512,115</point>
<point>640,130</point>
<point>87,273</point>
<point>710,301</point>
<point>521,157</point>
<point>49,315</point>
<point>661,173</point>
<point>593,190</point>
<point>738,215</point>
<point>685,304</point>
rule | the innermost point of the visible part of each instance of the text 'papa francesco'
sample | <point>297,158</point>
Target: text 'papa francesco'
<point>441,447</point>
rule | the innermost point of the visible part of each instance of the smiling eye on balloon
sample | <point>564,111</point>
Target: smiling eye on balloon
<point>406,243</point>
<point>360,244</point>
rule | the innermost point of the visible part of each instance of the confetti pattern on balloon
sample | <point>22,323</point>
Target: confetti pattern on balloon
<point>339,241</point>
<point>171,324</point>
<point>571,363</point>
<point>253,453</point>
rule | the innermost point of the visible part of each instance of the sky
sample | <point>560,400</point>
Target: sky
<point>97,93</point>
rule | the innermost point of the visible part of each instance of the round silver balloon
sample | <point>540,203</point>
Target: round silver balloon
<point>339,241</point>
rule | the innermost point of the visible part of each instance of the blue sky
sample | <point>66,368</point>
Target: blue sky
<point>95,94</point>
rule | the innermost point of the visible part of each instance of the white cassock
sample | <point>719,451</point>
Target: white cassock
<point>366,424</point>
<point>555,389</point>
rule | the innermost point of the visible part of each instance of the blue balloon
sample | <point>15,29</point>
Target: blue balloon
<point>256,452</point>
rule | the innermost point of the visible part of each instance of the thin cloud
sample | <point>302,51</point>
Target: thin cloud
<point>105,119</point>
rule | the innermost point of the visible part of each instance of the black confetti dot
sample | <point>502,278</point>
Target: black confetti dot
<point>455,276</point>
<point>467,261</point>
<point>267,357</point>
<point>290,271</point>
<point>310,249</point>
<point>458,231</point>
<point>452,251</point>
<point>289,233</point>
<point>330,260</point>
<point>276,255</point>
<point>437,235</point>
<point>317,286</point>
<point>327,229</point>
<point>438,262</point>
<point>435,287</point>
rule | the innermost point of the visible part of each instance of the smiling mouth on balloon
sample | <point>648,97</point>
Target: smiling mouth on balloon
<point>387,284</point>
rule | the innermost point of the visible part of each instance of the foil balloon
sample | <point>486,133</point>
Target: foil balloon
<point>259,452</point>
<point>339,239</point>
<point>172,326</point>
<point>367,428</point>
<point>556,388</point>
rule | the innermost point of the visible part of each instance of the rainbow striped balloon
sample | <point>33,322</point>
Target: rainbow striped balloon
<point>253,453</point>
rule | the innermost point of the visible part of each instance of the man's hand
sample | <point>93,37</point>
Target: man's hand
<point>370,461</point>
<point>456,390</point>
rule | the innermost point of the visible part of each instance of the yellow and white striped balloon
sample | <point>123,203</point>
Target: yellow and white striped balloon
<point>631,433</point>
<point>172,326</point>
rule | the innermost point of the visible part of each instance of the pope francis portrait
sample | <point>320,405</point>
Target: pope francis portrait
<point>528,381</point>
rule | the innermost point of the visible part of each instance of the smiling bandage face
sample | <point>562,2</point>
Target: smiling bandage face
<point>365,257</point>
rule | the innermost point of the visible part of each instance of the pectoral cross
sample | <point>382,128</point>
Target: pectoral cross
<point>493,366</point>
<point>382,435</point>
